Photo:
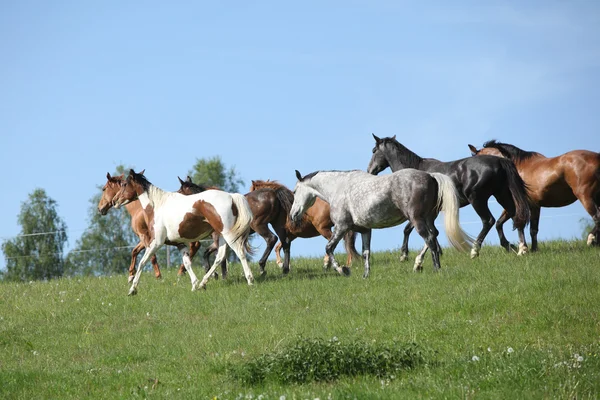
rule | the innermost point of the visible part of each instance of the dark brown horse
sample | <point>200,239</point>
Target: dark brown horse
<point>554,181</point>
<point>316,221</point>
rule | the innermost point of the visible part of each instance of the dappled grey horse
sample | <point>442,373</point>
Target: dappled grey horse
<point>361,202</point>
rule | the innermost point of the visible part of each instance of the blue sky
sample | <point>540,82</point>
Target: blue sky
<point>273,86</point>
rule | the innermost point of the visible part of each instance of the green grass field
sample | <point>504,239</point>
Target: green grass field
<point>500,326</point>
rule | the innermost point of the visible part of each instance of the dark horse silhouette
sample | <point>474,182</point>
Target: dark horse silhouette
<point>475,178</point>
<point>554,181</point>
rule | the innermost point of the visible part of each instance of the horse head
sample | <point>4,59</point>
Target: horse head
<point>131,188</point>
<point>304,197</point>
<point>109,191</point>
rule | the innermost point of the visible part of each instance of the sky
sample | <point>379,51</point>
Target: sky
<point>276,86</point>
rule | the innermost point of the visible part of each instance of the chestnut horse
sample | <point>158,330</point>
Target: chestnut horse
<point>183,219</point>
<point>554,181</point>
<point>316,221</point>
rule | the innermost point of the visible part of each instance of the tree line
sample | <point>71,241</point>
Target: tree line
<point>104,248</point>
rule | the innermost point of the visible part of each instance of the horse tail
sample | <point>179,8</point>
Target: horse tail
<point>518,190</point>
<point>448,203</point>
<point>350,245</point>
<point>286,200</point>
<point>240,231</point>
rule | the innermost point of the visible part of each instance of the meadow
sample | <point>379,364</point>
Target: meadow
<point>499,326</point>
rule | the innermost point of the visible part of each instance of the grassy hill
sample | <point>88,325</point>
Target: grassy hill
<point>496,327</point>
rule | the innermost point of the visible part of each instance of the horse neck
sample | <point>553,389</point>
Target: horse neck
<point>399,157</point>
<point>133,207</point>
<point>325,184</point>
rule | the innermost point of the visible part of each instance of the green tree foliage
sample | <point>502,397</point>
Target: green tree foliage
<point>213,172</point>
<point>31,255</point>
<point>105,246</point>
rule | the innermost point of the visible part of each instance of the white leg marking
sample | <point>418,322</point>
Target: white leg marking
<point>591,239</point>
<point>475,250</point>
<point>522,249</point>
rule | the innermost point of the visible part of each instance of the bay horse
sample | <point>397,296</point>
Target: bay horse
<point>315,221</point>
<point>183,219</point>
<point>361,202</point>
<point>476,179</point>
<point>554,181</point>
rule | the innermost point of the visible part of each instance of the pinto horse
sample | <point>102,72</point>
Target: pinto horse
<point>554,181</point>
<point>316,221</point>
<point>361,202</point>
<point>183,219</point>
<point>476,179</point>
<point>268,207</point>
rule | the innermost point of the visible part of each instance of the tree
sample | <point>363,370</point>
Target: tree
<point>37,253</point>
<point>105,246</point>
<point>212,172</point>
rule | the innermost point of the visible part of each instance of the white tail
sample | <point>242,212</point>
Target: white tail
<point>449,204</point>
<point>240,231</point>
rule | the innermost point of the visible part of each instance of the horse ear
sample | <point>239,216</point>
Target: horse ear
<point>131,172</point>
<point>108,176</point>
<point>188,179</point>
<point>394,137</point>
<point>180,181</point>
<point>377,140</point>
<point>473,150</point>
<point>142,173</point>
<point>299,175</point>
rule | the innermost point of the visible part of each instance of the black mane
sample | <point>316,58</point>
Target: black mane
<point>407,157</point>
<point>141,179</point>
<point>509,151</point>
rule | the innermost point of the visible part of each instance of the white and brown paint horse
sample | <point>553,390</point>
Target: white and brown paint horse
<point>183,219</point>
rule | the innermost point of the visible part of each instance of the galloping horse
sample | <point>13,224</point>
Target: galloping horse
<point>268,207</point>
<point>316,221</point>
<point>476,179</point>
<point>360,202</point>
<point>554,181</point>
<point>183,219</point>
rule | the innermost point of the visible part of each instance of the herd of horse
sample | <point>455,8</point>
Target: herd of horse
<point>356,202</point>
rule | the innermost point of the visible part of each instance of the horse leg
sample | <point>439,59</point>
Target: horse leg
<point>238,247</point>
<point>278,255</point>
<point>327,234</point>
<point>214,246</point>
<point>534,224</point>
<point>155,267</point>
<point>418,267</point>
<point>134,253</point>
<point>194,246</point>
<point>404,249</point>
<point>366,252</point>
<point>330,247</point>
<point>187,262</point>
<point>286,244</point>
<point>264,231</point>
<point>487,219</point>
<point>505,200</point>
<point>150,251</point>
<point>593,208</point>
<point>427,230</point>
<point>221,254</point>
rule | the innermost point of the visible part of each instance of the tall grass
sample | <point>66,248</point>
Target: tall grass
<point>495,327</point>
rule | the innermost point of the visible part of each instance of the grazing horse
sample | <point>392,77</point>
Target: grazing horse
<point>361,202</point>
<point>316,221</point>
<point>554,181</point>
<point>476,179</point>
<point>268,207</point>
<point>183,219</point>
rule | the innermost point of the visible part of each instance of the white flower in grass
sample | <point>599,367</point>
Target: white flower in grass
<point>475,358</point>
<point>147,313</point>
<point>510,350</point>
<point>35,353</point>
<point>489,349</point>
<point>282,397</point>
<point>579,358</point>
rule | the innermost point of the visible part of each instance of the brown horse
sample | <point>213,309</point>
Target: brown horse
<point>316,221</point>
<point>554,181</point>
<point>139,224</point>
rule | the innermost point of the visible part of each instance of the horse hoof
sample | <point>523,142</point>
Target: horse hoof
<point>285,271</point>
<point>365,275</point>
<point>474,254</point>
<point>522,249</point>
<point>418,269</point>
<point>591,239</point>
<point>403,257</point>
<point>346,271</point>
<point>280,264</point>
<point>263,272</point>
<point>132,292</point>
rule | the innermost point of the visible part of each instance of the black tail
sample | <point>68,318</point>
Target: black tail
<point>350,245</point>
<point>518,190</point>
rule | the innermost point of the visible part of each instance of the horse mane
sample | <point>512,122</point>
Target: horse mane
<point>196,188</point>
<point>142,180</point>
<point>408,158</point>
<point>509,151</point>
<point>269,184</point>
